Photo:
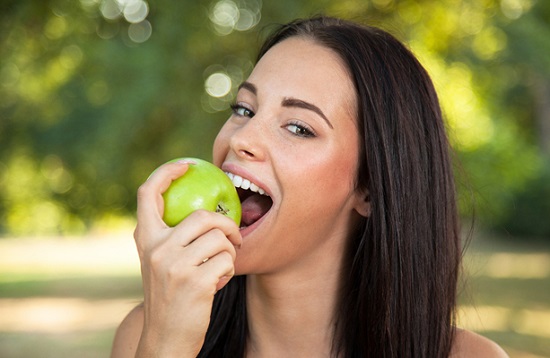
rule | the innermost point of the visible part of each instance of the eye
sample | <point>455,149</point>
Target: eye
<point>241,111</point>
<point>300,130</point>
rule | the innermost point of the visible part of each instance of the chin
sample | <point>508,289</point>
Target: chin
<point>242,267</point>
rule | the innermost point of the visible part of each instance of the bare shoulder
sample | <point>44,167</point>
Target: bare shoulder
<point>472,345</point>
<point>128,334</point>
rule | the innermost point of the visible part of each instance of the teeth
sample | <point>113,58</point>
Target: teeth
<point>246,184</point>
<point>237,181</point>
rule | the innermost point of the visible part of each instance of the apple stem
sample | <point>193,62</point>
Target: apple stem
<point>219,209</point>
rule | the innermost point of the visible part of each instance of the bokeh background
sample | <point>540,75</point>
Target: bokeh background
<point>95,94</point>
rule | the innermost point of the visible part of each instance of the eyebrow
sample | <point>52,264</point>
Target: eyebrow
<point>290,102</point>
<point>293,102</point>
<point>248,86</point>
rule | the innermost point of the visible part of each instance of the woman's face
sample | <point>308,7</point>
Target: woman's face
<point>293,134</point>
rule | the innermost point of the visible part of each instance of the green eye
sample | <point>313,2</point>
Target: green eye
<point>300,130</point>
<point>241,111</point>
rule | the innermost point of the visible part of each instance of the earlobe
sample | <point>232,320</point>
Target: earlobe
<point>362,205</point>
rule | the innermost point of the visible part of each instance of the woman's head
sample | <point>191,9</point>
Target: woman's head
<point>293,133</point>
<point>398,281</point>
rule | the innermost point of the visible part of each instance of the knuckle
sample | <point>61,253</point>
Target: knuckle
<point>156,258</point>
<point>174,273</point>
<point>201,215</point>
<point>227,258</point>
<point>218,232</point>
<point>142,190</point>
<point>217,236</point>
<point>229,271</point>
<point>140,242</point>
<point>139,235</point>
<point>229,249</point>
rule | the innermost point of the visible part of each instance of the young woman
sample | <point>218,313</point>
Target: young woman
<point>353,250</point>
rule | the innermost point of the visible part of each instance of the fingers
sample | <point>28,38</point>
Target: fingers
<point>215,257</point>
<point>201,265</point>
<point>205,278</point>
<point>149,196</point>
<point>221,268</point>
<point>207,246</point>
<point>200,222</point>
<point>202,235</point>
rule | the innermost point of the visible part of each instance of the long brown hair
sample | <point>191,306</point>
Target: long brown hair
<point>398,291</point>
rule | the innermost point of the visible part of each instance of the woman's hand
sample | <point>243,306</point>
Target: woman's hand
<point>182,268</point>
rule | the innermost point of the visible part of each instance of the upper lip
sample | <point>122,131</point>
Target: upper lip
<point>240,171</point>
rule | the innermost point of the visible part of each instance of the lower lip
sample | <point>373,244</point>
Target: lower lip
<point>249,229</point>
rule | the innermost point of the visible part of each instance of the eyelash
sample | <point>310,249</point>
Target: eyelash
<point>236,108</point>
<point>301,130</point>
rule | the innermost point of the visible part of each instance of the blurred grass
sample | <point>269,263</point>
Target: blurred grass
<point>506,294</point>
<point>64,297</point>
<point>88,287</point>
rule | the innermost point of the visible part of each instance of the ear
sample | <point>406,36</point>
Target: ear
<point>362,203</point>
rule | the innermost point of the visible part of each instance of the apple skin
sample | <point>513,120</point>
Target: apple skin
<point>203,186</point>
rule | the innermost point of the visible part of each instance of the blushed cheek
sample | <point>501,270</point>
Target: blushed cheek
<point>325,186</point>
<point>340,176</point>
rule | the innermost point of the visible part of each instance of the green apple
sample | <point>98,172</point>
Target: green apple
<point>203,186</point>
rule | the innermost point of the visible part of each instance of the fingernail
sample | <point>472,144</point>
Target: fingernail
<point>186,161</point>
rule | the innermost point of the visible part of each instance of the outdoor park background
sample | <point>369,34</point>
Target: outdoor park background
<point>95,94</point>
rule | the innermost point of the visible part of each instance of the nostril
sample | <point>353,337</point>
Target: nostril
<point>246,153</point>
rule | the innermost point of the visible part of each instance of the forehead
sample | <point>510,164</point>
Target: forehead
<point>305,69</point>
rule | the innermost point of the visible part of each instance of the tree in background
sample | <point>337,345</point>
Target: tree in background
<point>94,94</point>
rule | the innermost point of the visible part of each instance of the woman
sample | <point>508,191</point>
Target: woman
<point>353,250</point>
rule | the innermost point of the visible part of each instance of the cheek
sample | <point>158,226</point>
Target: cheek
<point>335,179</point>
<point>336,168</point>
<point>220,147</point>
<point>328,180</point>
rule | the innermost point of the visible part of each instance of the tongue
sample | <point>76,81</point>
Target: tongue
<point>254,207</point>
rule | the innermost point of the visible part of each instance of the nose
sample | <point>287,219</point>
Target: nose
<point>247,140</point>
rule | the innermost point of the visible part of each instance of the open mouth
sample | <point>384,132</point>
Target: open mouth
<point>255,202</point>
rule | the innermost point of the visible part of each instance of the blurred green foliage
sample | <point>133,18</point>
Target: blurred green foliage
<point>94,94</point>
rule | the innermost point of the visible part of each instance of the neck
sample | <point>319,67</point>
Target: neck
<point>292,313</point>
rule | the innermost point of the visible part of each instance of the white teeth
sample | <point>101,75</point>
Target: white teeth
<point>237,181</point>
<point>240,182</point>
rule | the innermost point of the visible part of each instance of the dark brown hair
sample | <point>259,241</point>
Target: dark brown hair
<point>398,291</point>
